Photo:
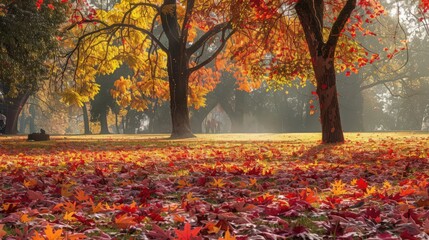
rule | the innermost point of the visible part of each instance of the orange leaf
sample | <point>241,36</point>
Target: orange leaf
<point>228,236</point>
<point>77,236</point>
<point>2,231</point>
<point>187,232</point>
<point>178,218</point>
<point>37,236</point>
<point>97,208</point>
<point>24,218</point>
<point>69,216</point>
<point>51,234</point>
<point>124,221</point>
<point>217,183</point>
<point>406,192</point>
<point>81,195</point>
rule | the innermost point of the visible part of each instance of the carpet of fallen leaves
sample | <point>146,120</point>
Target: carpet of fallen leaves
<point>219,187</point>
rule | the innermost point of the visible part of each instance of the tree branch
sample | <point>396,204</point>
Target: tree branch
<point>189,7</point>
<point>310,15</point>
<point>212,32</point>
<point>124,25</point>
<point>340,23</point>
<point>380,82</point>
<point>216,53</point>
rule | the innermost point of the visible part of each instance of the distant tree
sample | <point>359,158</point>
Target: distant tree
<point>25,50</point>
<point>103,102</point>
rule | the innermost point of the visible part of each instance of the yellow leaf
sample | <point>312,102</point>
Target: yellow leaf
<point>190,198</point>
<point>51,234</point>
<point>68,216</point>
<point>338,187</point>
<point>72,97</point>
<point>387,185</point>
<point>370,191</point>
<point>25,219</point>
<point>218,183</point>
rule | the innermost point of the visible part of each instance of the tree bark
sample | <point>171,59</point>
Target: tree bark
<point>87,130</point>
<point>13,109</point>
<point>310,14</point>
<point>330,119</point>
<point>178,72</point>
<point>178,83</point>
<point>103,123</point>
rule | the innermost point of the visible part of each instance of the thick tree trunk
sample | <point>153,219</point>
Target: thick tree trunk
<point>13,109</point>
<point>179,109</point>
<point>178,83</point>
<point>322,53</point>
<point>332,131</point>
<point>178,71</point>
<point>87,130</point>
<point>103,123</point>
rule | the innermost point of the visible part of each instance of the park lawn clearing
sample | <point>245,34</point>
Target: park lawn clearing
<point>251,186</point>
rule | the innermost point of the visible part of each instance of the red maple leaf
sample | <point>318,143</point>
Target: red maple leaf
<point>362,184</point>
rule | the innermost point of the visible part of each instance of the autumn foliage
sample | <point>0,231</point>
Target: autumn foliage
<point>290,186</point>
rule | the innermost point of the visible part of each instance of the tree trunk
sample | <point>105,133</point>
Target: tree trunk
<point>116,123</point>
<point>85,120</point>
<point>332,131</point>
<point>310,14</point>
<point>103,123</point>
<point>13,109</point>
<point>178,82</point>
<point>178,71</point>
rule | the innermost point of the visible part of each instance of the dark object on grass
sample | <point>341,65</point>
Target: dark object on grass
<point>42,136</point>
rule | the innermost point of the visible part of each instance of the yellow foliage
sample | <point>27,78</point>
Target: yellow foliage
<point>338,187</point>
<point>72,97</point>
